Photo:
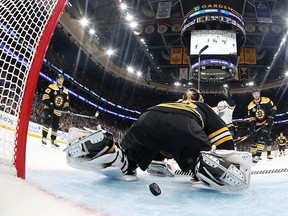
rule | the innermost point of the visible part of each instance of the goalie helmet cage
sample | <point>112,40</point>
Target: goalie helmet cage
<point>26,28</point>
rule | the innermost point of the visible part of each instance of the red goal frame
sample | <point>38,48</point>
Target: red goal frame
<point>21,141</point>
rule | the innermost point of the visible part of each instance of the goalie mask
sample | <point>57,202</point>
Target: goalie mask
<point>193,94</point>
<point>224,170</point>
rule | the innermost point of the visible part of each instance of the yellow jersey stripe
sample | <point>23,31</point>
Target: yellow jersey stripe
<point>217,132</point>
<point>224,139</point>
<point>186,108</point>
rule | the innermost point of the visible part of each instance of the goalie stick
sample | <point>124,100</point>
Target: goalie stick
<point>80,115</point>
<point>179,172</point>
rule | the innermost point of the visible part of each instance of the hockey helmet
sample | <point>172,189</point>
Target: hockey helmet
<point>193,94</point>
<point>222,103</point>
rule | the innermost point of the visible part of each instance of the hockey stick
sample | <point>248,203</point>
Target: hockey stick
<point>241,139</point>
<point>80,115</point>
<point>179,172</point>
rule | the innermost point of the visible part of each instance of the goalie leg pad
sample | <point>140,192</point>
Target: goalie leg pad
<point>94,145</point>
<point>105,164</point>
<point>224,169</point>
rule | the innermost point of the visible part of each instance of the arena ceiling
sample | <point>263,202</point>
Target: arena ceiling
<point>113,31</point>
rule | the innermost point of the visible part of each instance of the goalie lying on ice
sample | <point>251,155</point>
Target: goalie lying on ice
<point>186,130</point>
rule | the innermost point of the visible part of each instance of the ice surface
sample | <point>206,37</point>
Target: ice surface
<point>95,194</point>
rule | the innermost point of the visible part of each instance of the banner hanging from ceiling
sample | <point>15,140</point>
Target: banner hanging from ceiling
<point>183,74</point>
<point>163,12</point>
<point>263,12</point>
<point>176,56</point>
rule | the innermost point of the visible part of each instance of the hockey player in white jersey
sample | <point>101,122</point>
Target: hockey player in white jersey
<point>225,109</point>
<point>185,130</point>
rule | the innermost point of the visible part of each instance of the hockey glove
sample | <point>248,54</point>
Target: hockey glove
<point>270,121</point>
<point>67,110</point>
<point>51,107</point>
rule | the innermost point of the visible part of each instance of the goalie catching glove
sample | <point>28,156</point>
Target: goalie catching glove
<point>97,151</point>
<point>223,170</point>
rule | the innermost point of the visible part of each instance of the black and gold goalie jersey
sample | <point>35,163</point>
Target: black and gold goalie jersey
<point>258,112</point>
<point>213,126</point>
<point>59,97</point>
<point>281,140</point>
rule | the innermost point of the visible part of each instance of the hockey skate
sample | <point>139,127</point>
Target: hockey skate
<point>98,152</point>
<point>44,142</point>
<point>55,144</point>
<point>269,157</point>
<point>255,159</point>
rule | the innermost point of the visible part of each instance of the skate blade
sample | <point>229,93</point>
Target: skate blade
<point>55,147</point>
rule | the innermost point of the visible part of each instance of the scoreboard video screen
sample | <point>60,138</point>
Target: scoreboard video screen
<point>220,42</point>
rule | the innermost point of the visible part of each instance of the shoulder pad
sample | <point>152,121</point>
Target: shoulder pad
<point>251,105</point>
<point>265,100</point>
<point>65,91</point>
<point>53,86</point>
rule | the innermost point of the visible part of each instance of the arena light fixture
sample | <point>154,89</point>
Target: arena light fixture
<point>91,31</point>
<point>123,6</point>
<point>84,21</point>
<point>130,69</point>
<point>133,24</point>
<point>250,83</point>
<point>110,52</point>
<point>129,17</point>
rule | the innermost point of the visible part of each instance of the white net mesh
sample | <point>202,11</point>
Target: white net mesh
<point>22,23</point>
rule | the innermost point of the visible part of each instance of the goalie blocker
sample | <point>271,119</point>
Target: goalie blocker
<point>225,170</point>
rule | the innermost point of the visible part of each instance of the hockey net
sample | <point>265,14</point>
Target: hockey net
<point>26,27</point>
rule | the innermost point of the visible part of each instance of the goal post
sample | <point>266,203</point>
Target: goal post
<point>26,28</point>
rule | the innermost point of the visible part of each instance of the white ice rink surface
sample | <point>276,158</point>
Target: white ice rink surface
<point>53,188</point>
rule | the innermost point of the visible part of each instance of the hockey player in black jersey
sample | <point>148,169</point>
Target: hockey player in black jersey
<point>282,141</point>
<point>185,130</point>
<point>261,111</point>
<point>55,99</point>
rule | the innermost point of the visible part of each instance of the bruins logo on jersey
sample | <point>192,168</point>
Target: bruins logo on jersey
<point>58,101</point>
<point>260,114</point>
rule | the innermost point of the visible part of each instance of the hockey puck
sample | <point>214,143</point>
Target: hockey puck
<point>155,189</point>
